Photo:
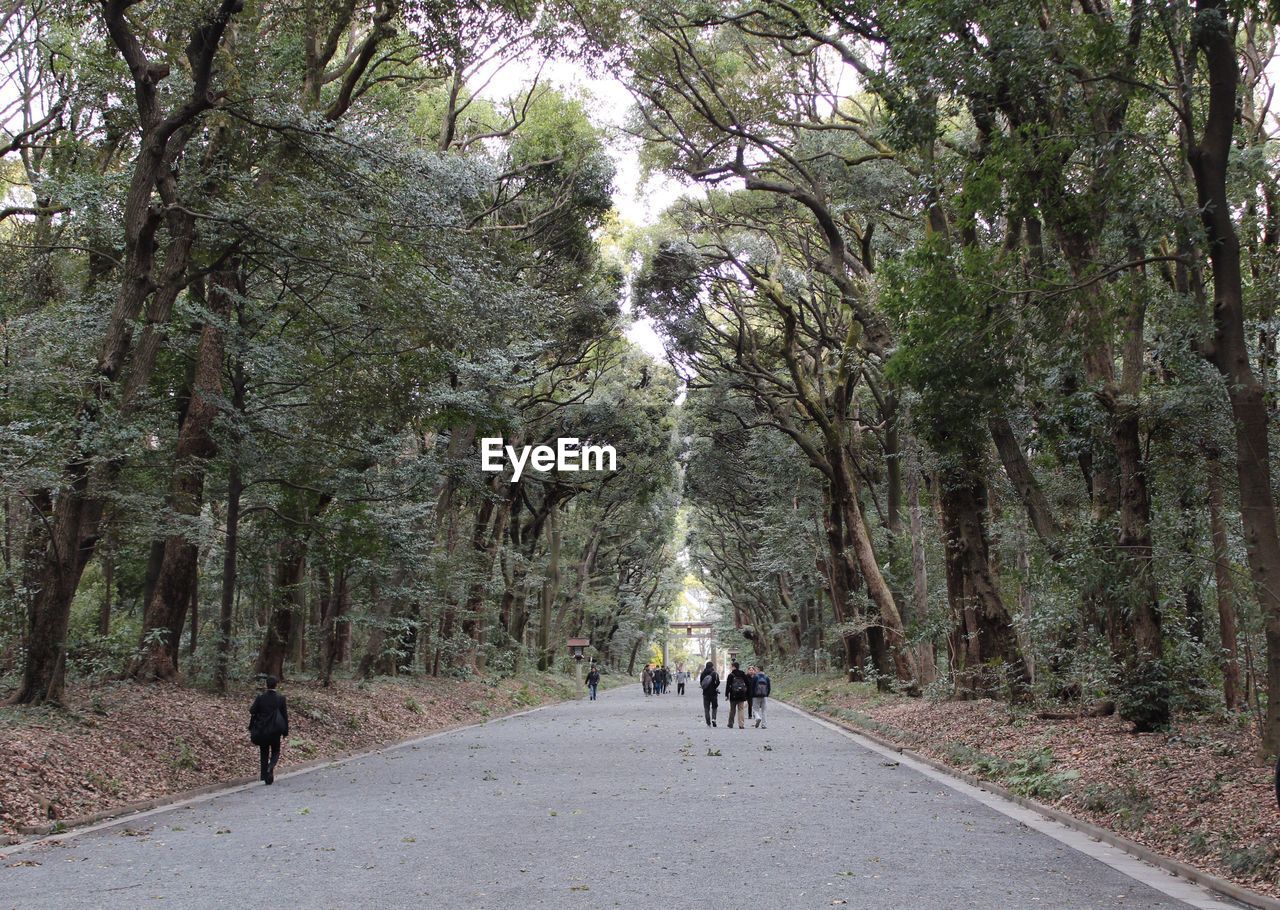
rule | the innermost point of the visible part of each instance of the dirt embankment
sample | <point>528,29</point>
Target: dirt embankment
<point>1197,793</point>
<point>120,743</point>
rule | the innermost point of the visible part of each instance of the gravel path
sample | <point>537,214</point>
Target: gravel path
<point>624,802</point>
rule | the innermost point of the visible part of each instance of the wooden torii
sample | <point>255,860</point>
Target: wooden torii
<point>691,630</point>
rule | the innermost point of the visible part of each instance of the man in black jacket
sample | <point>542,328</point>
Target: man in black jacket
<point>268,722</point>
<point>738,689</point>
<point>709,680</point>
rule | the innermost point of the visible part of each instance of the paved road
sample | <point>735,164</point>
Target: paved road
<point>613,803</point>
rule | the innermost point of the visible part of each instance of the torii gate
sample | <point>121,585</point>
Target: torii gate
<point>705,630</point>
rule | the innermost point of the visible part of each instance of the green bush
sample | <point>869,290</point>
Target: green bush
<point>1031,774</point>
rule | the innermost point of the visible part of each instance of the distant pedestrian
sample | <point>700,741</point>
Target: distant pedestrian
<point>751,688</point>
<point>738,690</point>
<point>709,681</point>
<point>593,680</point>
<point>657,680</point>
<point>666,679</point>
<point>682,677</point>
<point>760,689</point>
<point>268,723</point>
<point>646,680</point>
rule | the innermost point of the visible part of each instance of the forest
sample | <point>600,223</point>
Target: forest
<point>968,309</point>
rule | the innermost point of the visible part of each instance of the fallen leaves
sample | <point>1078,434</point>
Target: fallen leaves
<point>119,743</point>
<point>1196,793</point>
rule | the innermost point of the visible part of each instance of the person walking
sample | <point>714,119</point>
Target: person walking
<point>682,677</point>
<point>593,680</point>
<point>751,687</point>
<point>760,689</point>
<point>646,680</point>
<point>709,681</point>
<point>738,690</point>
<point>657,680</point>
<point>268,723</point>
<point>666,679</point>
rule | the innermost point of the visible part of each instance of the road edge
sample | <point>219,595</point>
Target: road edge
<point>995,795</point>
<point>106,819</point>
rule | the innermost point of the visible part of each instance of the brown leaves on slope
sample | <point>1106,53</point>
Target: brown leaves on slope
<point>1197,793</point>
<point>120,743</point>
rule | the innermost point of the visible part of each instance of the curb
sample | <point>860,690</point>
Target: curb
<point>64,829</point>
<point>1146,854</point>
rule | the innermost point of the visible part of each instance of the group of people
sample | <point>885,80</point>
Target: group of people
<point>657,680</point>
<point>746,690</point>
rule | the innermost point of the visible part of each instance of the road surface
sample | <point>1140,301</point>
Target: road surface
<point>628,801</point>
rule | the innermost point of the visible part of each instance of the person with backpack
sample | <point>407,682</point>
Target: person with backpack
<point>593,680</point>
<point>760,689</point>
<point>268,723</point>
<point>709,680</point>
<point>738,689</point>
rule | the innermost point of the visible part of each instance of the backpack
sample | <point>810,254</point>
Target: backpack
<point>762,686</point>
<point>272,729</point>
<point>737,687</point>
<point>709,682</point>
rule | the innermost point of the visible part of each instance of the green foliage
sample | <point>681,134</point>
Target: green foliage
<point>955,349</point>
<point>1127,803</point>
<point>1030,774</point>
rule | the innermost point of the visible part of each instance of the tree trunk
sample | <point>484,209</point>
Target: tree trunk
<point>1230,351</point>
<point>334,621</point>
<point>842,580</point>
<point>1039,512</point>
<point>1136,638</point>
<point>550,591</point>
<point>986,649</point>
<point>919,566</point>
<point>58,573</point>
<point>75,518</point>
<point>226,616</point>
<point>1232,695</point>
<point>176,579</point>
<point>894,640</point>
<point>288,601</point>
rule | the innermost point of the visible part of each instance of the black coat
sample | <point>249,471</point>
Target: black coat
<point>728,681</point>
<point>712,690</point>
<point>264,706</point>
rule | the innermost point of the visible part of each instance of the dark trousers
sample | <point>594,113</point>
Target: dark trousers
<point>709,705</point>
<point>268,755</point>
<point>680,688</point>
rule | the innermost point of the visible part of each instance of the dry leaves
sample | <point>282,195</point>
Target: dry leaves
<point>1197,793</point>
<point>120,743</point>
